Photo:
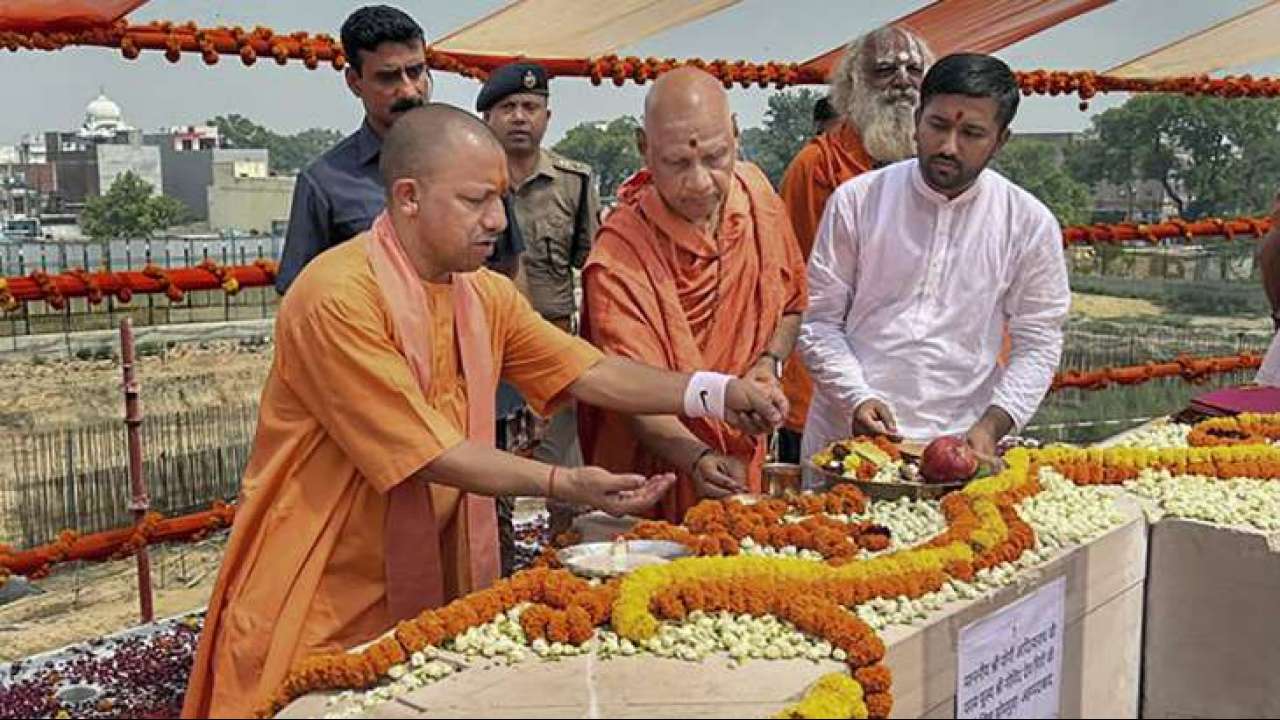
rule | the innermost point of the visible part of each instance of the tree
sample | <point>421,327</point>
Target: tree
<point>1034,165</point>
<point>288,153</point>
<point>609,148</point>
<point>788,125</point>
<point>1212,156</point>
<point>129,211</point>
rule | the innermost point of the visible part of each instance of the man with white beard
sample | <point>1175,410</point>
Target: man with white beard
<point>875,90</point>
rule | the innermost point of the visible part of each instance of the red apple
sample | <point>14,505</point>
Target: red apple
<point>948,460</point>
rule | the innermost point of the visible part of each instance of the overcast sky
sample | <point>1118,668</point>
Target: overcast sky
<point>50,90</point>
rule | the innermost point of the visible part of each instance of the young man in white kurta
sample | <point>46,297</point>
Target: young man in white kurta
<point>916,272</point>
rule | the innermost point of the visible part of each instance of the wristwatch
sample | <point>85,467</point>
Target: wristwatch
<point>777,362</point>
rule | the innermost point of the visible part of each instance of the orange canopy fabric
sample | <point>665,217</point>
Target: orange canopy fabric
<point>561,28</point>
<point>1240,40</point>
<point>976,25</point>
<point>62,15</point>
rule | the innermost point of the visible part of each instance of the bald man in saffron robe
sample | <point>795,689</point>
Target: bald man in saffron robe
<point>368,494</point>
<point>698,267</point>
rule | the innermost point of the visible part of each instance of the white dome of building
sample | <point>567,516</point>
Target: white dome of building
<point>102,118</point>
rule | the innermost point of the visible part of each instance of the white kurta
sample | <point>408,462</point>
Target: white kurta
<point>1269,372</point>
<point>909,293</point>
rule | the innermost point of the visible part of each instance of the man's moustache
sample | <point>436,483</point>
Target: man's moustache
<point>405,104</point>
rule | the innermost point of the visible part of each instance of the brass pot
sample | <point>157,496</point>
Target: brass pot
<point>782,478</point>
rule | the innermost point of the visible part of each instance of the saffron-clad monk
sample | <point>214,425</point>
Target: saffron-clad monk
<point>367,495</point>
<point>875,90</point>
<point>698,267</point>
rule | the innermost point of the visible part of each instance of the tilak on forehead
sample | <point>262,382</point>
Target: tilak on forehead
<point>890,48</point>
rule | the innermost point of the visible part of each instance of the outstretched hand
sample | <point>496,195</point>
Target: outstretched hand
<point>616,494</point>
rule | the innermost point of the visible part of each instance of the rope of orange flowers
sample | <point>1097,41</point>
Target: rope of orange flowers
<point>57,287</point>
<point>1191,369</point>
<point>1153,233</point>
<point>48,290</point>
<point>174,39</point>
<point>230,285</point>
<point>8,303</point>
<point>70,546</point>
<point>261,273</point>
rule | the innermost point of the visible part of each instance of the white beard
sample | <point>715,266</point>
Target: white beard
<point>887,130</point>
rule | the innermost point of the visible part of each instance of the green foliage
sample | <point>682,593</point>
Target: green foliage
<point>288,153</point>
<point>1034,165</point>
<point>788,125</point>
<point>128,211</point>
<point>609,148</point>
<point>1213,156</point>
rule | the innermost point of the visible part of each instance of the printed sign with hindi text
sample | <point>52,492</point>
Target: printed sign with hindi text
<point>1010,662</point>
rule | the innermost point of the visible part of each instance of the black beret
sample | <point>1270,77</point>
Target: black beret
<point>509,80</point>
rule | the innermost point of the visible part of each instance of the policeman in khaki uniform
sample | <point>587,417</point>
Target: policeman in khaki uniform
<point>557,208</point>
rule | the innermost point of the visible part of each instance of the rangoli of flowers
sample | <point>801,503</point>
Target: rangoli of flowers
<point>827,604</point>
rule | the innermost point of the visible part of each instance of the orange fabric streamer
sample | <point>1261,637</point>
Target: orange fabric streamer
<point>63,15</point>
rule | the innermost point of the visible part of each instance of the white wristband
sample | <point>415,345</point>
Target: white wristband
<point>704,396</point>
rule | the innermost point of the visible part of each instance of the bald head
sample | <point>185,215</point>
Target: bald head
<point>434,136</point>
<point>690,143</point>
<point>685,93</point>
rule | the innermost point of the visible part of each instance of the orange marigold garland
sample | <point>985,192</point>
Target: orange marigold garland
<point>49,289</point>
<point>171,291</point>
<point>230,285</point>
<point>717,527</point>
<point>7,302</point>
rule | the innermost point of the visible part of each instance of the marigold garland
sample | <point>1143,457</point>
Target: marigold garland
<point>1154,233</point>
<point>212,42</point>
<point>8,303</point>
<point>38,561</point>
<point>171,291</point>
<point>49,291</point>
<point>230,285</point>
<point>78,282</point>
<point>715,527</point>
<point>1244,429</point>
<point>834,695</point>
<point>1191,369</point>
<point>93,291</point>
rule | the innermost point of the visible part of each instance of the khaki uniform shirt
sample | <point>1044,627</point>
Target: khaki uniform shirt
<point>558,210</point>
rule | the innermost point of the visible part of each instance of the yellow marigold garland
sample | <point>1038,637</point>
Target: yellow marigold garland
<point>835,695</point>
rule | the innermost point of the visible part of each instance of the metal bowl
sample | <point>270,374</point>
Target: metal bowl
<point>572,556</point>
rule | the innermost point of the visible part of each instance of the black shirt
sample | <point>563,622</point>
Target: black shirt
<point>339,195</point>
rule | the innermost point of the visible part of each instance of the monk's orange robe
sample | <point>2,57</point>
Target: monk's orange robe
<point>662,291</point>
<point>820,167</point>
<point>342,422</point>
